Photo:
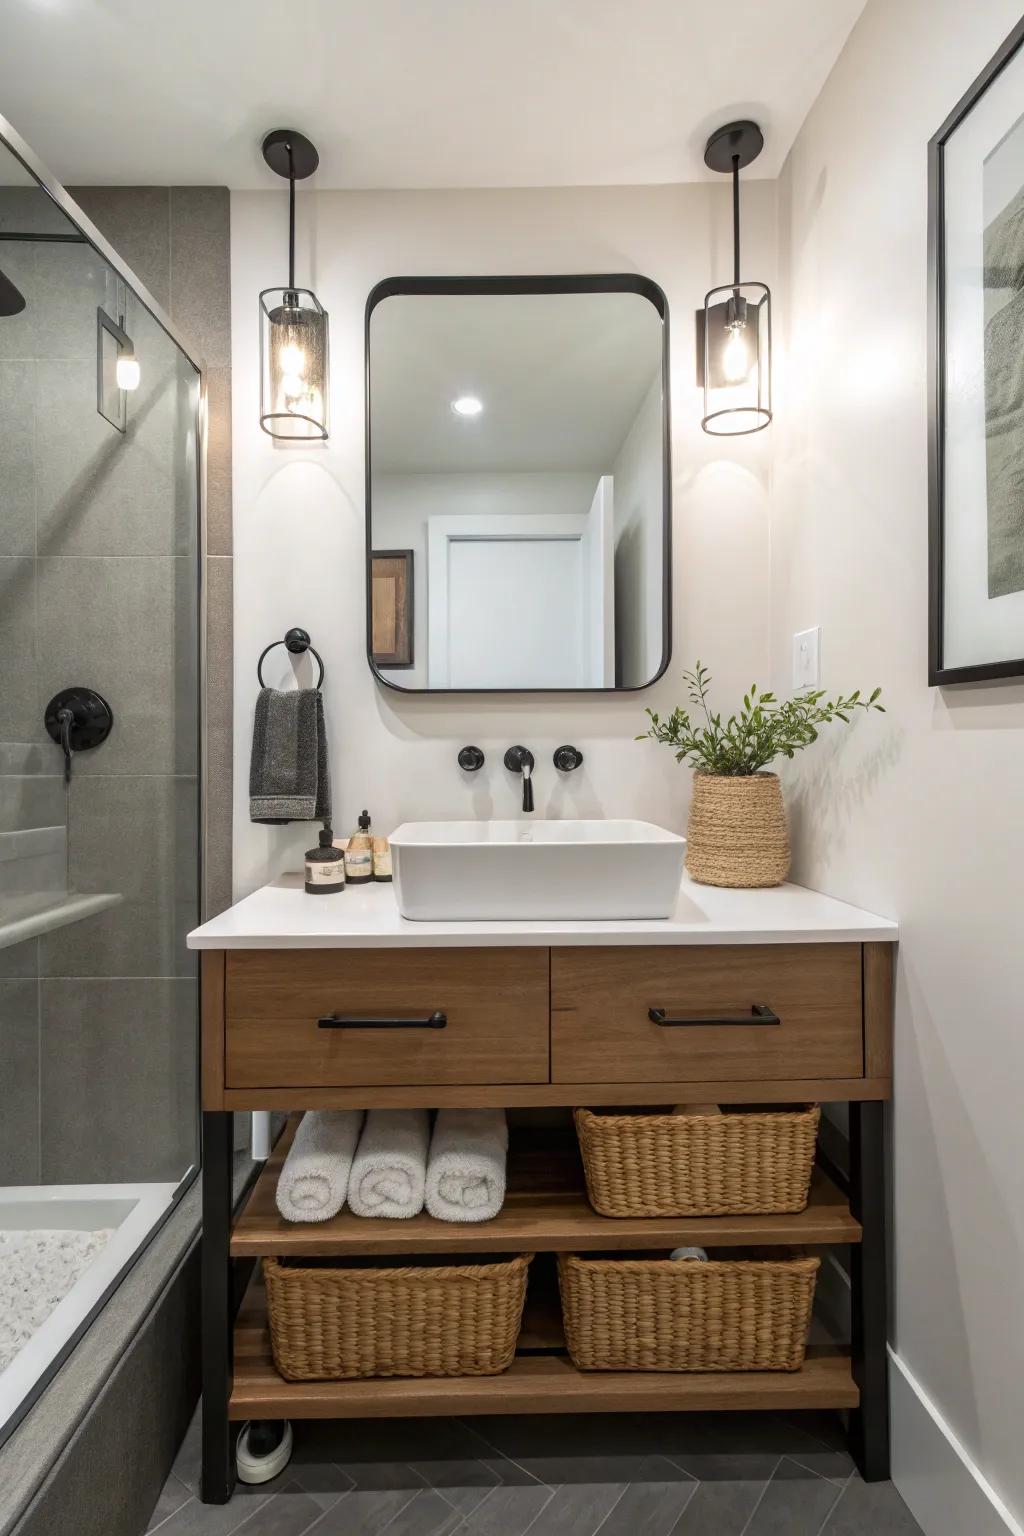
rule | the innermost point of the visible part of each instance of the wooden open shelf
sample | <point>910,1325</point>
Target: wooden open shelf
<point>544,1382</point>
<point>546,1211</point>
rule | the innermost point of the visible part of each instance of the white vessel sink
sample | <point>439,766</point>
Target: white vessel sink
<point>550,870</point>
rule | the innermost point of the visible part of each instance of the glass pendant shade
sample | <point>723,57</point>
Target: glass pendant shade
<point>294,380</point>
<point>734,346</point>
<point>734,329</point>
<point>293,364</point>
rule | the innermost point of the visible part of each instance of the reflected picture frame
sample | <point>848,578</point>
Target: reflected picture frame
<point>975,413</point>
<point>391,608</point>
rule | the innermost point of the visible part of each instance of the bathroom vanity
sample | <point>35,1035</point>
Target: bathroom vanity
<point>313,1004</point>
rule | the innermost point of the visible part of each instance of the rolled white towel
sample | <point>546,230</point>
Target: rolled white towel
<point>466,1166</point>
<point>314,1180</point>
<point>390,1166</point>
<point>695,1255</point>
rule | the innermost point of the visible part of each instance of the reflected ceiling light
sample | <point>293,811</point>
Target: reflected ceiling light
<point>293,322</point>
<point>467,405</point>
<point>734,329</point>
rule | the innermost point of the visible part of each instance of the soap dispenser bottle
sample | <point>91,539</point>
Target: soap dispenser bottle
<point>325,865</point>
<point>359,853</point>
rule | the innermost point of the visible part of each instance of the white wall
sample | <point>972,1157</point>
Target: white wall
<point>918,813</point>
<point>403,503</point>
<point>639,511</point>
<point>299,511</point>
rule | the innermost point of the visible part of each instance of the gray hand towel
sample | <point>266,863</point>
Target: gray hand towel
<point>289,777</point>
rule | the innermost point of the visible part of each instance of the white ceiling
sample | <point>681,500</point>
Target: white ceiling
<point>410,93</point>
<point>560,376</point>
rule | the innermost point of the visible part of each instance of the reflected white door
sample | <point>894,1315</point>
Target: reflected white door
<point>598,577</point>
<point>514,613</point>
<point>522,601</point>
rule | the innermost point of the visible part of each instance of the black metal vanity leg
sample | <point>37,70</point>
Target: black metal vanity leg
<point>869,1424</point>
<point>218,1474</point>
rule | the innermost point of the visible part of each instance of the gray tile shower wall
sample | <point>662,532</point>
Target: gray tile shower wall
<point>19,1051</point>
<point>96,558</point>
<point>178,241</point>
<point>92,1130</point>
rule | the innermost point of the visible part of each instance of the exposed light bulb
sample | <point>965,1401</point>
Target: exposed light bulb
<point>467,405</point>
<point>292,386</point>
<point>293,358</point>
<point>736,358</point>
<point>128,371</point>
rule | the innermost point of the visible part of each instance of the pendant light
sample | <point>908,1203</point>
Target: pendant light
<point>734,329</point>
<point>293,322</point>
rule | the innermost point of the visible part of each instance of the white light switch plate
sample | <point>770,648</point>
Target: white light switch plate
<point>807,658</point>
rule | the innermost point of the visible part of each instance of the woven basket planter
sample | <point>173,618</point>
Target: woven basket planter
<point>339,1323</point>
<point>698,1165</point>
<point>666,1315</point>
<point>737,830</point>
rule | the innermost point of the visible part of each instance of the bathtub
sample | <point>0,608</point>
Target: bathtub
<point>132,1210</point>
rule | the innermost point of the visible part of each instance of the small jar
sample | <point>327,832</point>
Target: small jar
<point>325,866</point>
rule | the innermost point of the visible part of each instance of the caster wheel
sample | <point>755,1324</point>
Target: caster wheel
<point>264,1449</point>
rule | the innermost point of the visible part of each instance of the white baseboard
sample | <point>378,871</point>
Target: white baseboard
<point>942,1487</point>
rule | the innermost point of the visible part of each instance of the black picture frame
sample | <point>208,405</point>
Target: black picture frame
<point>939,674</point>
<point>611,282</point>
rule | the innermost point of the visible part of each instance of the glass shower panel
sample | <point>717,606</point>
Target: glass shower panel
<point>99,774</point>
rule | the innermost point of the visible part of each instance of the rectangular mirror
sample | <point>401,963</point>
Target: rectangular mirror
<point>517,484</point>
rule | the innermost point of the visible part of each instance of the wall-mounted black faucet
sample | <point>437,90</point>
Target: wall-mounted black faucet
<point>77,719</point>
<point>520,760</point>
<point>567,758</point>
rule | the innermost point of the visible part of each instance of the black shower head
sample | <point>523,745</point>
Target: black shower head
<point>11,301</point>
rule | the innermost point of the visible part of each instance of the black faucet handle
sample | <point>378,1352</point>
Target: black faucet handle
<point>471,758</point>
<point>518,758</point>
<point>567,758</point>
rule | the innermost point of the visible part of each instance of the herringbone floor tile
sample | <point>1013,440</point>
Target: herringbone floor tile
<point>616,1475</point>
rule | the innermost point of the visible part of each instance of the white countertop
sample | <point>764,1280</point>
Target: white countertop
<point>282,916</point>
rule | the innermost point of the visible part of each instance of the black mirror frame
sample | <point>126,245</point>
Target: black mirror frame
<point>612,282</point>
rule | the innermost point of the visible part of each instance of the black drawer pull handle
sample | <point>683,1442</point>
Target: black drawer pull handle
<point>338,1021</point>
<point>759,1013</point>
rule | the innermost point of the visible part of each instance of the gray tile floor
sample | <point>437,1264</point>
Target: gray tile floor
<point>636,1475</point>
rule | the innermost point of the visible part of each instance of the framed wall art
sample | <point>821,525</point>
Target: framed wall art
<point>976,369</point>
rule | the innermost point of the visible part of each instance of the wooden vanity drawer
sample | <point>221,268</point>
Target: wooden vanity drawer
<point>412,1017</point>
<point>601,1031</point>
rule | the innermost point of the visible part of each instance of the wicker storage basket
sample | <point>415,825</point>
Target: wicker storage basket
<point>333,1323</point>
<point>698,1165</point>
<point>679,1315</point>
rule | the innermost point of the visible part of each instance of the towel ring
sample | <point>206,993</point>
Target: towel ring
<point>298,642</point>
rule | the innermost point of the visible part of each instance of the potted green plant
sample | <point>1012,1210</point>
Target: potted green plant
<point>737,832</point>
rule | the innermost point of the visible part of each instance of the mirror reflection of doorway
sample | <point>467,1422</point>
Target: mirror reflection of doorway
<point>521,600</point>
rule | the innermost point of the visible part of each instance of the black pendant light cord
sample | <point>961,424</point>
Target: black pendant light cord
<point>736,223</point>
<point>291,220</point>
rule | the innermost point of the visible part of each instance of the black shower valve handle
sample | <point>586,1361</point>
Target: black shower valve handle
<point>77,719</point>
<point>471,759</point>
